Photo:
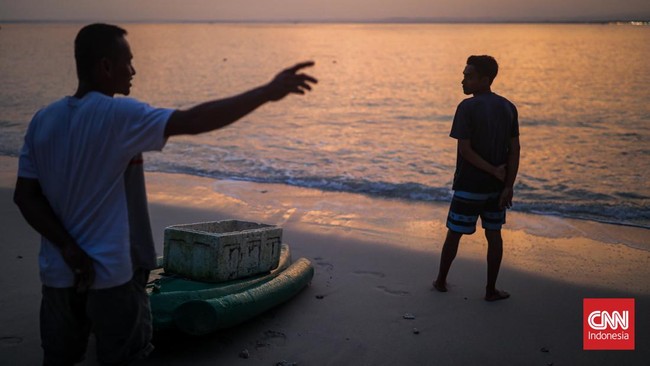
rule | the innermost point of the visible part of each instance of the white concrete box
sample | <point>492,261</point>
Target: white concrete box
<point>221,251</point>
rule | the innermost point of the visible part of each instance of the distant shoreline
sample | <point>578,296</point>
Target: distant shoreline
<point>615,21</point>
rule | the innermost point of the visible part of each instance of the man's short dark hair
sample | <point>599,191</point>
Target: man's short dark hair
<point>94,42</point>
<point>484,65</point>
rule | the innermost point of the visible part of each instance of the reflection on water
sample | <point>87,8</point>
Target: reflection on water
<point>379,119</point>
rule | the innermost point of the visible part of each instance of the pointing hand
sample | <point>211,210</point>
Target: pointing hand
<point>289,81</point>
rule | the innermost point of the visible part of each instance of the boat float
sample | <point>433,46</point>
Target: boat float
<point>215,276</point>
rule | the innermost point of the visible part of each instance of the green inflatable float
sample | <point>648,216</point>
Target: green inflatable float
<point>199,308</point>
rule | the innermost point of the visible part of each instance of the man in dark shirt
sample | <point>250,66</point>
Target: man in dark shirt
<point>487,129</point>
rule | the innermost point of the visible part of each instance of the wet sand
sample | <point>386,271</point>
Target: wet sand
<point>370,302</point>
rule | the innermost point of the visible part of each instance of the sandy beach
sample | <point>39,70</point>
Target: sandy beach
<point>374,261</point>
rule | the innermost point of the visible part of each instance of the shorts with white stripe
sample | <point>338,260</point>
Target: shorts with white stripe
<point>466,207</point>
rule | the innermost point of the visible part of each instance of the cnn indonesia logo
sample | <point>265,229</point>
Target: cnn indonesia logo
<point>608,324</point>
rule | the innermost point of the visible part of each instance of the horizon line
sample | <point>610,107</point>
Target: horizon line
<point>393,20</point>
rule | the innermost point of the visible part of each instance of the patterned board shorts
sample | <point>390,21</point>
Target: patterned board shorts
<point>466,207</point>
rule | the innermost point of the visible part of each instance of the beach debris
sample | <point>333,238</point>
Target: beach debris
<point>545,350</point>
<point>244,354</point>
<point>19,257</point>
<point>416,331</point>
<point>408,316</point>
<point>320,297</point>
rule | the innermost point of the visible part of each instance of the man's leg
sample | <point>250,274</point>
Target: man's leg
<point>449,250</point>
<point>463,214</point>
<point>494,255</point>
<point>140,279</point>
<point>117,315</point>
<point>65,327</point>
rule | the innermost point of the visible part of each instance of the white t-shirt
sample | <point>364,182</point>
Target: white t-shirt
<point>78,149</point>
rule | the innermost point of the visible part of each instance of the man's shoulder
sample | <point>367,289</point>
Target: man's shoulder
<point>56,105</point>
<point>68,102</point>
<point>130,105</point>
<point>55,108</point>
<point>100,98</point>
<point>481,99</point>
<point>108,106</point>
<point>467,103</point>
<point>504,100</point>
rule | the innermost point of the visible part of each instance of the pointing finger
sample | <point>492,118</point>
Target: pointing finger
<point>308,78</point>
<point>304,85</point>
<point>299,66</point>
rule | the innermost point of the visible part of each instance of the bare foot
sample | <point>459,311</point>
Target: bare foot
<point>496,295</point>
<point>442,287</point>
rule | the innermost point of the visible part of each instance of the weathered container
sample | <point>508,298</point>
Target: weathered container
<point>221,250</point>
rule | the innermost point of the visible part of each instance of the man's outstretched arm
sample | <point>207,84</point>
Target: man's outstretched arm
<point>36,209</point>
<point>216,114</point>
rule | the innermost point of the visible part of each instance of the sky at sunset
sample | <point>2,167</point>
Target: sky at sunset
<point>328,10</point>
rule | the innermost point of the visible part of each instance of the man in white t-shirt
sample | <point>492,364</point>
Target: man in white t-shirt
<point>71,189</point>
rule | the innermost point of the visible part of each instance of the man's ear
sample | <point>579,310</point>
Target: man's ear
<point>106,67</point>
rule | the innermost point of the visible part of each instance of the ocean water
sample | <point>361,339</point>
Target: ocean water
<point>379,119</point>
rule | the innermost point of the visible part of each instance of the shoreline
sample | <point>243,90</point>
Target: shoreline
<point>418,226</point>
<point>531,242</point>
<point>633,234</point>
<point>374,262</point>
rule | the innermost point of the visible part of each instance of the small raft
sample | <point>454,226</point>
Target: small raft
<point>198,308</point>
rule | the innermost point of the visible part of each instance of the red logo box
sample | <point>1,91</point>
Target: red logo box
<point>608,324</point>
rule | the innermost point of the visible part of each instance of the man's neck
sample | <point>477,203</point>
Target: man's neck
<point>84,88</point>
<point>483,91</point>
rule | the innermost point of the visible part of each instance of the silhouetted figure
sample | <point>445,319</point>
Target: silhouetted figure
<point>71,189</point>
<point>487,129</point>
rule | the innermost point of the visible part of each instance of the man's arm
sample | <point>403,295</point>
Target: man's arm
<point>216,114</point>
<point>465,149</point>
<point>511,173</point>
<point>39,214</point>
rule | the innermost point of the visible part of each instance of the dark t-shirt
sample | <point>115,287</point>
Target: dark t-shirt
<point>489,121</point>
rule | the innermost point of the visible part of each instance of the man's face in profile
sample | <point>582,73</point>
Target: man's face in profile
<point>472,81</point>
<point>122,70</point>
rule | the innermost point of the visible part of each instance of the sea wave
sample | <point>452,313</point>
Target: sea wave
<point>631,211</point>
<point>532,194</point>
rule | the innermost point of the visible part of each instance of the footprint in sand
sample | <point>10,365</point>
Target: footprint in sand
<point>377,274</point>
<point>370,273</point>
<point>393,292</point>
<point>271,338</point>
<point>328,266</point>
